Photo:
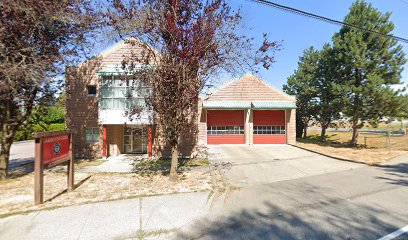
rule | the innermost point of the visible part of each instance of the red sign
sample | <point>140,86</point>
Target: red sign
<point>52,148</point>
<point>55,148</point>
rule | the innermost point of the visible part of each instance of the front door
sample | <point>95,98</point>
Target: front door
<point>135,139</point>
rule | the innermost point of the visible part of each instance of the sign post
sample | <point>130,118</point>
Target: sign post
<point>51,149</point>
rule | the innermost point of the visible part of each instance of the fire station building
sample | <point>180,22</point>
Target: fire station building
<point>246,110</point>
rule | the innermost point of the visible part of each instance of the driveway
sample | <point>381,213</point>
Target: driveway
<point>21,153</point>
<point>333,200</point>
<point>257,164</point>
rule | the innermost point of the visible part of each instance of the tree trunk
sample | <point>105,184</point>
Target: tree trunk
<point>356,103</point>
<point>5,156</point>
<point>354,137</point>
<point>324,124</point>
<point>304,131</point>
<point>174,163</point>
<point>355,128</point>
<point>299,126</point>
<point>323,134</point>
<point>299,130</point>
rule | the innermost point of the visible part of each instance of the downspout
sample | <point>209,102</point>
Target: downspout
<point>286,127</point>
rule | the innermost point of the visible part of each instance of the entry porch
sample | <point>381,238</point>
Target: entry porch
<point>127,139</point>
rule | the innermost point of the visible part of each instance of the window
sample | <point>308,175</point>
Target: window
<point>92,135</point>
<point>122,94</point>
<point>91,90</point>
<point>269,129</point>
<point>225,130</point>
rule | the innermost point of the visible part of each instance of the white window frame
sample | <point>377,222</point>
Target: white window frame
<point>95,132</point>
<point>269,130</point>
<point>126,86</point>
<point>225,130</point>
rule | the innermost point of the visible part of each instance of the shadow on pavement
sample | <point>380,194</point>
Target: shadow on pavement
<point>20,162</point>
<point>21,167</point>
<point>313,216</point>
<point>398,174</point>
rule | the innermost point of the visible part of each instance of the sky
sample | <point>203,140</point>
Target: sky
<point>298,32</point>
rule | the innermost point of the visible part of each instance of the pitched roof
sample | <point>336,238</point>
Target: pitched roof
<point>113,55</point>
<point>249,88</point>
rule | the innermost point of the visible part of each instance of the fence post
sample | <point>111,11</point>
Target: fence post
<point>365,141</point>
<point>389,141</point>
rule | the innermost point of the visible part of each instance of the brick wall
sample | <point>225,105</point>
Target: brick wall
<point>291,123</point>
<point>82,110</point>
<point>192,140</point>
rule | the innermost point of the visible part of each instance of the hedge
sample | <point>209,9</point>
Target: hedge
<point>25,133</point>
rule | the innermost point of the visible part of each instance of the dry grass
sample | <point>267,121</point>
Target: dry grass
<point>394,126</point>
<point>16,195</point>
<point>375,152</point>
<point>163,165</point>
<point>89,162</point>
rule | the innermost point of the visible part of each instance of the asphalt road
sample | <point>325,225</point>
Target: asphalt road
<point>21,153</point>
<point>359,203</point>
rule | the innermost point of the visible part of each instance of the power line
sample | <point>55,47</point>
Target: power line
<point>325,19</point>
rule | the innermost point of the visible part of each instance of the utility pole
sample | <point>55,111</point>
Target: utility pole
<point>388,122</point>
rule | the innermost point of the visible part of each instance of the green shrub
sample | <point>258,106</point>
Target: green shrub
<point>25,133</point>
<point>55,114</point>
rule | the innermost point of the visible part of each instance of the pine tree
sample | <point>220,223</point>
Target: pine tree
<point>328,90</point>
<point>302,84</point>
<point>370,64</point>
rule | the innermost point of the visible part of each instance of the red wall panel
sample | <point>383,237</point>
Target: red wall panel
<point>269,139</point>
<point>269,117</point>
<point>226,139</point>
<point>225,118</point>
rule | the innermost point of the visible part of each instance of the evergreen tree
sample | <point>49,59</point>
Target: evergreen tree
<point>302,84</point>
<point>328,90</point>
<point>370,64</point>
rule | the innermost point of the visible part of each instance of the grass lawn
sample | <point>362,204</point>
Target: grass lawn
<point>376,150</point>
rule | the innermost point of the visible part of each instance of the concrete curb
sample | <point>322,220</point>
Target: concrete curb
<point>337,158</point>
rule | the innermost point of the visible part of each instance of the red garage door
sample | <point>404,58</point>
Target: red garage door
<point>225,127</point>
<point>269,127</point>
